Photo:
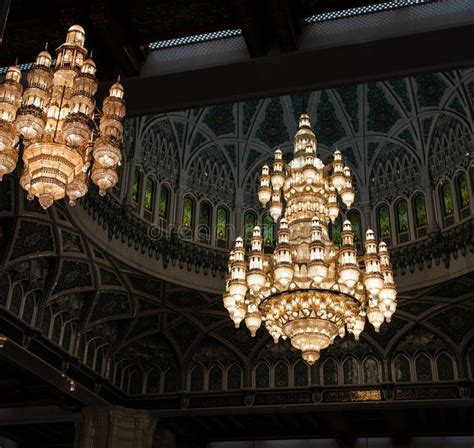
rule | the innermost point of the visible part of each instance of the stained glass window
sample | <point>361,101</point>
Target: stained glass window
<point>281,375</point>
<point>136,382</point>
<point>221,229</point>
<point>153,382</point>
<point>335,230</point>
<point>188,212</point>
<point>402,221</point>
<point>164,202</point>
<point>215,378</point>
<point>447,199</point>
<point>423,368</point>
<point>383,223</point>
<point>262,379</point>
<point>463,192</point>
<point>234,377</point>
<point>330,372</point>
<point>197,378</point>
<point>204,229</point>
<point>371,371</point>
<point>351,371</point>
<point>420,210</point>
<point>149,194</point>
<point>136,186</point>
<point>444,364</point>
<point>300,373</point>
<point>268,235</point>
<point>249,223</point>
<point>354,218</point>
<point>401,369</point>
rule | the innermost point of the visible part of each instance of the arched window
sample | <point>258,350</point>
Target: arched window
<point>188,215</point>
<point>28,309</point>
<point>197,379</point>
<point>135,385</point>
<point>462,192</point>
<point>149,197</point>
<point>281,375</point>
<point>262,376</point>
<point>171,380</point>
<point>268,233</point>
<point>354,218</point>
<point>335,230</point>
<point>423,368</point>
<point>300,373</point>
<point>402,221</point>
<point>401,369</point>
<point>153,382</point>
<point>330,372</point>
<point>164,202</point>
<point>383,223</point>
<point>234,377</point>
<point>222,226</point>
<point>421,220</point>
<point>215,378</point>
<point>444,365</point>
<point>204,229</point>
<point>350,367</point>
<point>371,371</point>
<point>447,204</point>
<point>136,183</point>
<point>67,337</point>
<point>249,223</point>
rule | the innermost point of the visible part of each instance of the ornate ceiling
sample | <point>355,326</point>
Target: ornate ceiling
<point>392,123</point>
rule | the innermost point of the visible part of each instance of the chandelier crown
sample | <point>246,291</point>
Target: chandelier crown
<point>55,119</point>
<point>310,289</point>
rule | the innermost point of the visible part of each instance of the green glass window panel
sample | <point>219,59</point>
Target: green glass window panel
<point>262,377</point>
<point>463,191</point>
<point>268,236</point>
<point>281,375</point>
<point>204,222</point>
<point>423,369</point>
<point>354,218</point>
<point>222,221</point>
<point>371,371</point>
<point>335,230</point>
<point>234,377</point>
<point>401,368</point>
<point>420,211</point>
<point>444,363</point>
<point>447,199</point>
<point>136,382</point>
<point>330,372</point>
<point>188,212</point>
<point>197,378</point>
<point>135,186</point>
<point>149,194</point>
<point>164,202</point>
<point>153,382</point>
<point>249,223</point>
<point>351,371</point>
<point>215,378</point>
<point>384,222</point>
<point>300,373</point>
<point>402,217</point>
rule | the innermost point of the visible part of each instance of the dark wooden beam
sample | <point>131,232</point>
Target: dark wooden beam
<point>36,414</point>
<point>128,56</point>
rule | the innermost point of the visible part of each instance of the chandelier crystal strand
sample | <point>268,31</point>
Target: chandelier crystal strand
<point>310,289</point>
<point>56,121</point>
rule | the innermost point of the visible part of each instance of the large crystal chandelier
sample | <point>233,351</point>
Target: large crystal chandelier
<point>309,289</point>
<point>64,138</point>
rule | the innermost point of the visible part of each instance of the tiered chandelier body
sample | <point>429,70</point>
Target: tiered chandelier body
<point>64,140</point>
<point>309,289</point>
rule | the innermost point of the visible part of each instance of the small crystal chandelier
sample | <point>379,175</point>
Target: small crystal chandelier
<point>310,289</point>
<point>59,127</point>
